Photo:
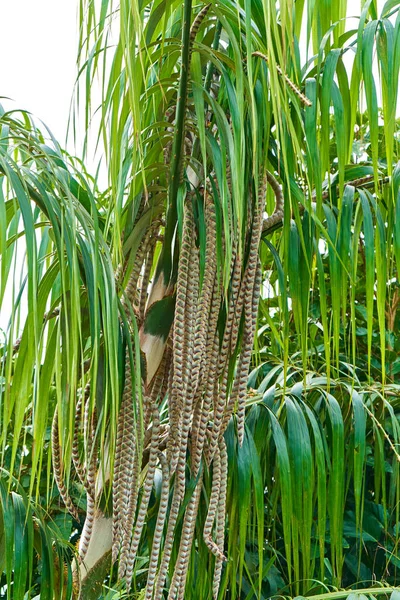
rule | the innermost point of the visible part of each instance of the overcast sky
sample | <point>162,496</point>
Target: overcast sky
<point>38,47</point>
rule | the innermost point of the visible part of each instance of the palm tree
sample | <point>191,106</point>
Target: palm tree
<point>142,301</point>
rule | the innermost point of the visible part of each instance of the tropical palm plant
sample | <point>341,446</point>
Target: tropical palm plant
<point>142,307</point>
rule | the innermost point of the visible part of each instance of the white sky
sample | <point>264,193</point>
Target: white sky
<point>38,47</point>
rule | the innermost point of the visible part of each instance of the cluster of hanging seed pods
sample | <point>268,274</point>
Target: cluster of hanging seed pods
<point>211,337</point>
<point>193,376</point>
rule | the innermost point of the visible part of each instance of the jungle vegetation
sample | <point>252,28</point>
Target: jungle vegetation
<point>200,375</point>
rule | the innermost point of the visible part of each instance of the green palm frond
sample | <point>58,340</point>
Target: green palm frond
<point>235,153</point>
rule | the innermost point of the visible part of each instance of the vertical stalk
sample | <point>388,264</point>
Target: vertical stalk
<point>177,145</point>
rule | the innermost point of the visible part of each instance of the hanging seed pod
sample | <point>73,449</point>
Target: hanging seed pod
<point>248,284</point>
<point>162,512</point>
<point>289,82</point>
<point>125,459</point>
<point>180,336</point>
<point>75,452</point>
<point>202,414</point>
<point>87,527</point>
<point>90,428</point>
<point>147,487</point>
<point>131,487</point>
<point>201,15</point>
<point>206,294</point>
<point>149,239</point>
<point>168,542</point>
<point>221,513</point>
<point>179,399</point>
<point>146,278</point>
<point>212,507</point>
<point>277,215</point>
<point>178,583</point>
<point>220,395</point>
<point>57,468</point>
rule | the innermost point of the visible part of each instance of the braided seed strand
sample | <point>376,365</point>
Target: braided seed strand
<point>162,512</point>
<point>225,352</point>
<point>202,415</point>
<point>123,467</point>
<point>206,294</point>
<point>168,543</point>
<point>221,512</point>
<point>146,278</point>
<point>212,507</point>
<point>57,468</point>
<point>132,486</point>
<point>277,215</point>
<point>149,239</point>
<point>179,383</point>
<point>178,410</point>
<point>90,481</point>
<point>75,453</point>
<point>147,487</point>
<point>178,582</point>
<point>239,391</point>
<point>179,490</point>
<point>306,101</point>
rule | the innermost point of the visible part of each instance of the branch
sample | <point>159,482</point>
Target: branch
<point>275,221</point>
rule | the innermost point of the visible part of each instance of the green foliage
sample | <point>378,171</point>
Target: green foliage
<point>314,491</point>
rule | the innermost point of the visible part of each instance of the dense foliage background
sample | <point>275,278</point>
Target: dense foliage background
<point>313,494</point>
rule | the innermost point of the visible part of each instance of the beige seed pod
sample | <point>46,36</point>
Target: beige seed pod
<point>202,415</point>
<point>58,470</point>
<point>87,527</point>
<point>289,82</point>
<point>146,278</point>
<point>75,451</point>
<point>277,215</point>
<point>212,507</point>
<point>90,482</point>
<point>221,513</point>
<point>178,582</point>
<point>201,15</point>
<point>206,294</point>
<point>130,482</point>
<point>168,543</point>
<point>125,467</point>
<point>180,336</point>
<point>147,487</point>
<point>162,512</point>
